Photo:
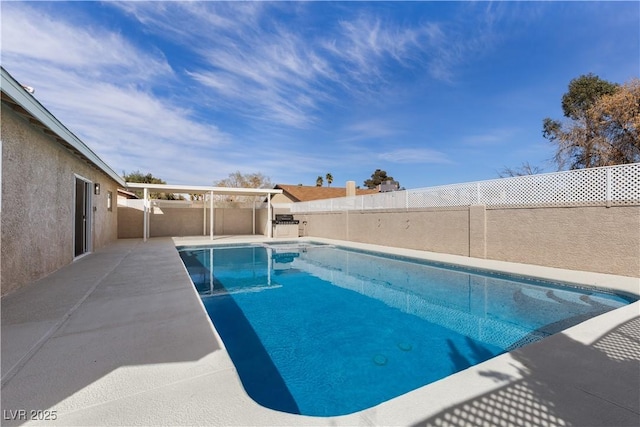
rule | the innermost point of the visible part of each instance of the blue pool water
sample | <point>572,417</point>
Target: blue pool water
<point>320,330</point>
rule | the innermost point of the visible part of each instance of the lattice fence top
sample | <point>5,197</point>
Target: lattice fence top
<point>610,186</point>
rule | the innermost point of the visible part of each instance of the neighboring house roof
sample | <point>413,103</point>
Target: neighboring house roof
<point>127,194</point>
<point>304,193</point>
<point>25,104</point>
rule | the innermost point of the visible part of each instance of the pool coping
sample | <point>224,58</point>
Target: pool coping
<point>103,360</point>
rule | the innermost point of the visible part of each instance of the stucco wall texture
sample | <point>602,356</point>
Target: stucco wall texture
<point>38,184</point>
<point>443,230</point>
<point>599,239</point>
<point>594,238</point>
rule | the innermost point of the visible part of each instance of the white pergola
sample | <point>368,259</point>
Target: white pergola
<point>190,189</point>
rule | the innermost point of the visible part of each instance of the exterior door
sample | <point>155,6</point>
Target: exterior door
<point>82,233</point>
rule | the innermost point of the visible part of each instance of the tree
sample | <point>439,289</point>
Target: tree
<point>524,169</point>
<point>583,93</point>
<point>617,134</point>
<point>139,177</point>
<point>319,181</point>
<point>329,178</point>
<point>579,141</point>
<point>377,178</point>
<point>239,180</point>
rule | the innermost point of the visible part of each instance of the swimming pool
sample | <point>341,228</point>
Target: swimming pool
<point>324,330</point>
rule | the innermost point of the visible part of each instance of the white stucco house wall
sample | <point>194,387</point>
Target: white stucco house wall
<point>58,198</point>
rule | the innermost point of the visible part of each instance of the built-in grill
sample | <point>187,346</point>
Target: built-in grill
<point>285,219</point>
<point>285,226</point>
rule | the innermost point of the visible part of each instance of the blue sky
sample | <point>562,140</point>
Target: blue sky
<point>432,92</point>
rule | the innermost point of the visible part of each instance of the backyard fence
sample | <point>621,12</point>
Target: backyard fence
<point>604,186</point>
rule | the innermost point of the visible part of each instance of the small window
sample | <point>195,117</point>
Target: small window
<point>109,201</point>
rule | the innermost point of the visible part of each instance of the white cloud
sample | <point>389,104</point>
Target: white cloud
<point>272,76</point>
<point>365,44</point>
<point>414,155</point>
<point>32,35</point>
<point>264,71</point>
<point>373,129</point>
<point>491,137</point>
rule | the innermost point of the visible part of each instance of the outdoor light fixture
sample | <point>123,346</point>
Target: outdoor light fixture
<point>96,189</point>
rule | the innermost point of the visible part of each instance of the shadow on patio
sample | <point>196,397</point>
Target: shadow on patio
<point>565,383</point>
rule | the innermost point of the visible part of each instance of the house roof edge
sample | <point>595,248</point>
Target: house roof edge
<point>14,90</point>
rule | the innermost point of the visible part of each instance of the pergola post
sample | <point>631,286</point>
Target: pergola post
<point>254,216</point>
<point>211,215</point>
<point>204,214</point>
<point>269,228</point>
<point>145,215</point>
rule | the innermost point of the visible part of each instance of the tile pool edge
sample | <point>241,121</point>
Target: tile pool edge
<point>610,282</point>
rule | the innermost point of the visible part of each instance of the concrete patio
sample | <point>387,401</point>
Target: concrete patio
<point>120,337</point>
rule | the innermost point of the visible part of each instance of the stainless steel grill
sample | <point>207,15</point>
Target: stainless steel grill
<point>285,219</point>
<point>285,226</point>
